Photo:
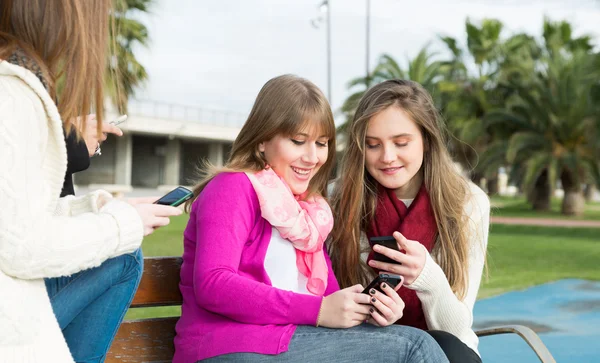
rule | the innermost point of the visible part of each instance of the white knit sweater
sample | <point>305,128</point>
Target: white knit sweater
<point>442,309</point>
<point>41,235</point>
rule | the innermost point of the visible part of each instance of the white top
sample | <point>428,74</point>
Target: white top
<point>280,256</point>
<point>442,309</point>
<point>407,202</point>
<point>40,234</point>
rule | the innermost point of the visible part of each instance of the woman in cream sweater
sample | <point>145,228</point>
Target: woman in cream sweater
<point>72,263</point>
<point>398,180</point>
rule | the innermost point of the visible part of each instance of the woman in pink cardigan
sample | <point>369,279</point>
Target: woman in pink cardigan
<point>257,284</point>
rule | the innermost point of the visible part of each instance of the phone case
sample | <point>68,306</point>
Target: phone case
<point>390,279</point>
<point>386,241</point>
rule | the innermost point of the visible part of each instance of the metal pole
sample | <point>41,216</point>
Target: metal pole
<point>329,50</point>
<point>367,48</point>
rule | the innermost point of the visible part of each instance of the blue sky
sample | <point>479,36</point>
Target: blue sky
<point>217,54</point>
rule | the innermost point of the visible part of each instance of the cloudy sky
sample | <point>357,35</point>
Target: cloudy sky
<point>217,54</point>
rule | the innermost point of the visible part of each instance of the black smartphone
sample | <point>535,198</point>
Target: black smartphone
<point>175,197</point>
<point>385,241</point>
<point>390,279</point>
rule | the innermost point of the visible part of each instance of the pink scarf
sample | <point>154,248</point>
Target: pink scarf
<point>305,223</point>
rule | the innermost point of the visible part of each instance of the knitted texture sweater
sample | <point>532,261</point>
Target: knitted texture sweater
<point>40,234</point>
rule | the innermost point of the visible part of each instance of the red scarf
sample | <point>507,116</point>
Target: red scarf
<point>416,223</point>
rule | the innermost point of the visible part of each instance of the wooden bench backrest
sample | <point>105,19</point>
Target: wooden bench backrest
<point>150,340</point>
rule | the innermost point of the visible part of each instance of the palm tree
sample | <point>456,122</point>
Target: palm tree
<point>422,69</point>
<point>558,36</point>
<point>125,73</point>
<point>467,96</point>
<point>556,123</point>
<point>521,72</point>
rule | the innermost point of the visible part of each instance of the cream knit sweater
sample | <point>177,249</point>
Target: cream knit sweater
<point>41,235</point>
<point>442,309</point>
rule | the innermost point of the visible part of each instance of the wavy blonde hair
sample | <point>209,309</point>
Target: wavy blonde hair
<point>285,106</point>
<point>355,193</point>
<point>66,38</point>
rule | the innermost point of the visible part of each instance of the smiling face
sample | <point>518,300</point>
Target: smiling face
<point>394,152</point>
<point>296,158</point>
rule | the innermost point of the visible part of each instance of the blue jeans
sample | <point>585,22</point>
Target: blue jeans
<point>90,305</point>
<point>364,343</point>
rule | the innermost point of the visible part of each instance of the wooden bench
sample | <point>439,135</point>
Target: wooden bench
<point>151,340</point>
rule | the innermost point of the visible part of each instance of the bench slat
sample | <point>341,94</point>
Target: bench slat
<point>149,340</point>
<point>160,283</point>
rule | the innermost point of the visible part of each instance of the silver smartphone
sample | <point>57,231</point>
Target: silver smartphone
<point>119,120</point>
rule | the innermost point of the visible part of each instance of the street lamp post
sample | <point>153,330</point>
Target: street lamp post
<point>367,46</point>
<point>328,51</point>
<point>325,7</point>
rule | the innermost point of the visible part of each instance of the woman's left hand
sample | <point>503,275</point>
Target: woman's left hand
<point>387,308</point>
<point>410,264</point>
<point>90,135</point>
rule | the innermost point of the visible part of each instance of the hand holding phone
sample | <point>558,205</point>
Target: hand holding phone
<point>391,279</point>
<point>385,241</point>
<point>409,263</point>
<point>176,197</point>
<point>153,216</point>
<point>344,308</point>
<point>387,309</point>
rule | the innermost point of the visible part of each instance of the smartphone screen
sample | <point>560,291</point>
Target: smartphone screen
<point>175,197</point>
<point>386,241</point>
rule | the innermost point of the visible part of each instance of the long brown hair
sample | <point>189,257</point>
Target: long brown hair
<point>66,38</point>
<point>284,106</point>
<point>355,193</point>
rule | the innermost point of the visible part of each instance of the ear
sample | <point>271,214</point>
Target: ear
<point>261,147</point>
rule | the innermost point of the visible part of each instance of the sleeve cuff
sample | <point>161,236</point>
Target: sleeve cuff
<point>430,278</point>
<point>91,202</point>
<point>304,309</point>
<point>131,229</point>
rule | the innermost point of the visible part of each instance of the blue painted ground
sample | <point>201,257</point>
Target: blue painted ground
<point>565,314</point>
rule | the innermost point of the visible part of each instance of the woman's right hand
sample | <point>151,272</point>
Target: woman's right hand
<point>345,308</point>
<point>153,215</point>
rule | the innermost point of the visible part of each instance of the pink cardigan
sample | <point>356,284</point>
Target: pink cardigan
<point>229,304</point>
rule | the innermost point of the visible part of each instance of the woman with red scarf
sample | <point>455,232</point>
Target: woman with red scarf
<point>399,180</point>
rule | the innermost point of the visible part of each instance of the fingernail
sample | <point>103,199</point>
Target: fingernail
<point>383,286</point>
<point>371,310</point>
<point>373,300</point>
<point>372,291</point>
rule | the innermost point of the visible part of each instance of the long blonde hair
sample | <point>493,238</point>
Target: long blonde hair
<point>66,38</point>
<point>284,106</point>
<point>355,193</point>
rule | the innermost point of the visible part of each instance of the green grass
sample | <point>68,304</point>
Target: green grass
<point>518,257</point>
<point>518,207</point>
<point>524,256</point>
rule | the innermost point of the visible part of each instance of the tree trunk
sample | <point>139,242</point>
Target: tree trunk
<point>590,191</point>
<point>492,185</point>
<point>573,203</point>
<point>539,197</point>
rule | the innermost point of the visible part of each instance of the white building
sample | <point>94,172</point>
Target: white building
<point>162,146</point>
